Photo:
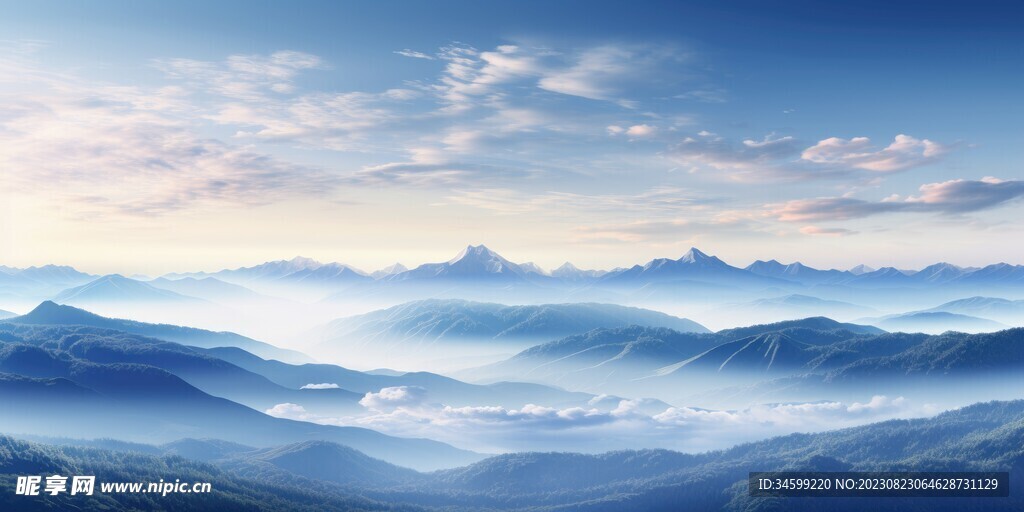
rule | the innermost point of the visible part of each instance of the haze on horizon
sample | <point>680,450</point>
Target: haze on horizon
<point>126,147</point>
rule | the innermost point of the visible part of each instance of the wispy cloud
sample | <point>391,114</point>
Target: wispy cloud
<point>679,229</point>
<point>244,77</point>
<point>657,200</point>
<point>948,197</point>
<point>819,231</point>
<point>414,54</point>
<point>750,159</point>
<point>132,150</point>
<point>781,157</point>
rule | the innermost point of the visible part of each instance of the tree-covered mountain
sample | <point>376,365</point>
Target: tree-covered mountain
<point>230,492</point>
<point>439,388</point>
<point>623,360</point>
<point>982,437</point>
<point>804,360</point>
<point>146,404</point>
<point>50,313</point>
<point>321,460</point>
<point>56,349</point>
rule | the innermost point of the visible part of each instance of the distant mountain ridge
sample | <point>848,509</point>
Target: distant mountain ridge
<point>432,326</point>
<point>623,359</point>
<point>935,322</point>
<point>114,287</point>
<point>479,266</point>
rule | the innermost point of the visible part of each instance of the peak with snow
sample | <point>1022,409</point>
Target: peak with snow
<point>530,266</point>
<point>694,256</point>
<point>861,269</point>
<point>570,272</point>
<point>473,262</point>
<point>391,270</point>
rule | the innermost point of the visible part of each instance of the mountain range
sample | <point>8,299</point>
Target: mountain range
<point>475,262</point>
<point>828,360</point>
<point>694,280</point>
<point>88,382</point>
<point>113,288</point>
<point>317,475</point>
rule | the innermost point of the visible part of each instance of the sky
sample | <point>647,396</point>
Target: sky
<point>146,137</point>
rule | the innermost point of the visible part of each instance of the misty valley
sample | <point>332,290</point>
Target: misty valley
<point>479,383</point>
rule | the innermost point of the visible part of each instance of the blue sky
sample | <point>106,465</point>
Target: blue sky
<point>163,136</point>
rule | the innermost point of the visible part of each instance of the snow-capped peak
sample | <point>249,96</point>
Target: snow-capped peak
<point>694,255</point>
<point>861,269</point>
<point>302,263</point>
<point>476,252</point>
<point>530,266</point>
<point>391,270</point>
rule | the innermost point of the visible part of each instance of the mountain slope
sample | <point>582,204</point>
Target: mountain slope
<point>433,328</point>
<point>473,263</point>
<point>796,272</point>
<point>667,365</point>
<point>1010,312</point>
<point>439,388</point>
<point>143,403</point>
<point>56,348</point>
<point>208,288</point>
<point>936,322</point>
<point>692,266</point>
<point>49,313</point>
<point>432,320</point>
<point>793,306</point>
<point>980,437</point>
<point>322,460</point>
<point>231,492</point>
<point>116,288</point>
<point>761,353</point>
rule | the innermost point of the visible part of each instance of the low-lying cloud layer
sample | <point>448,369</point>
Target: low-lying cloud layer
<point>407,411</point>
